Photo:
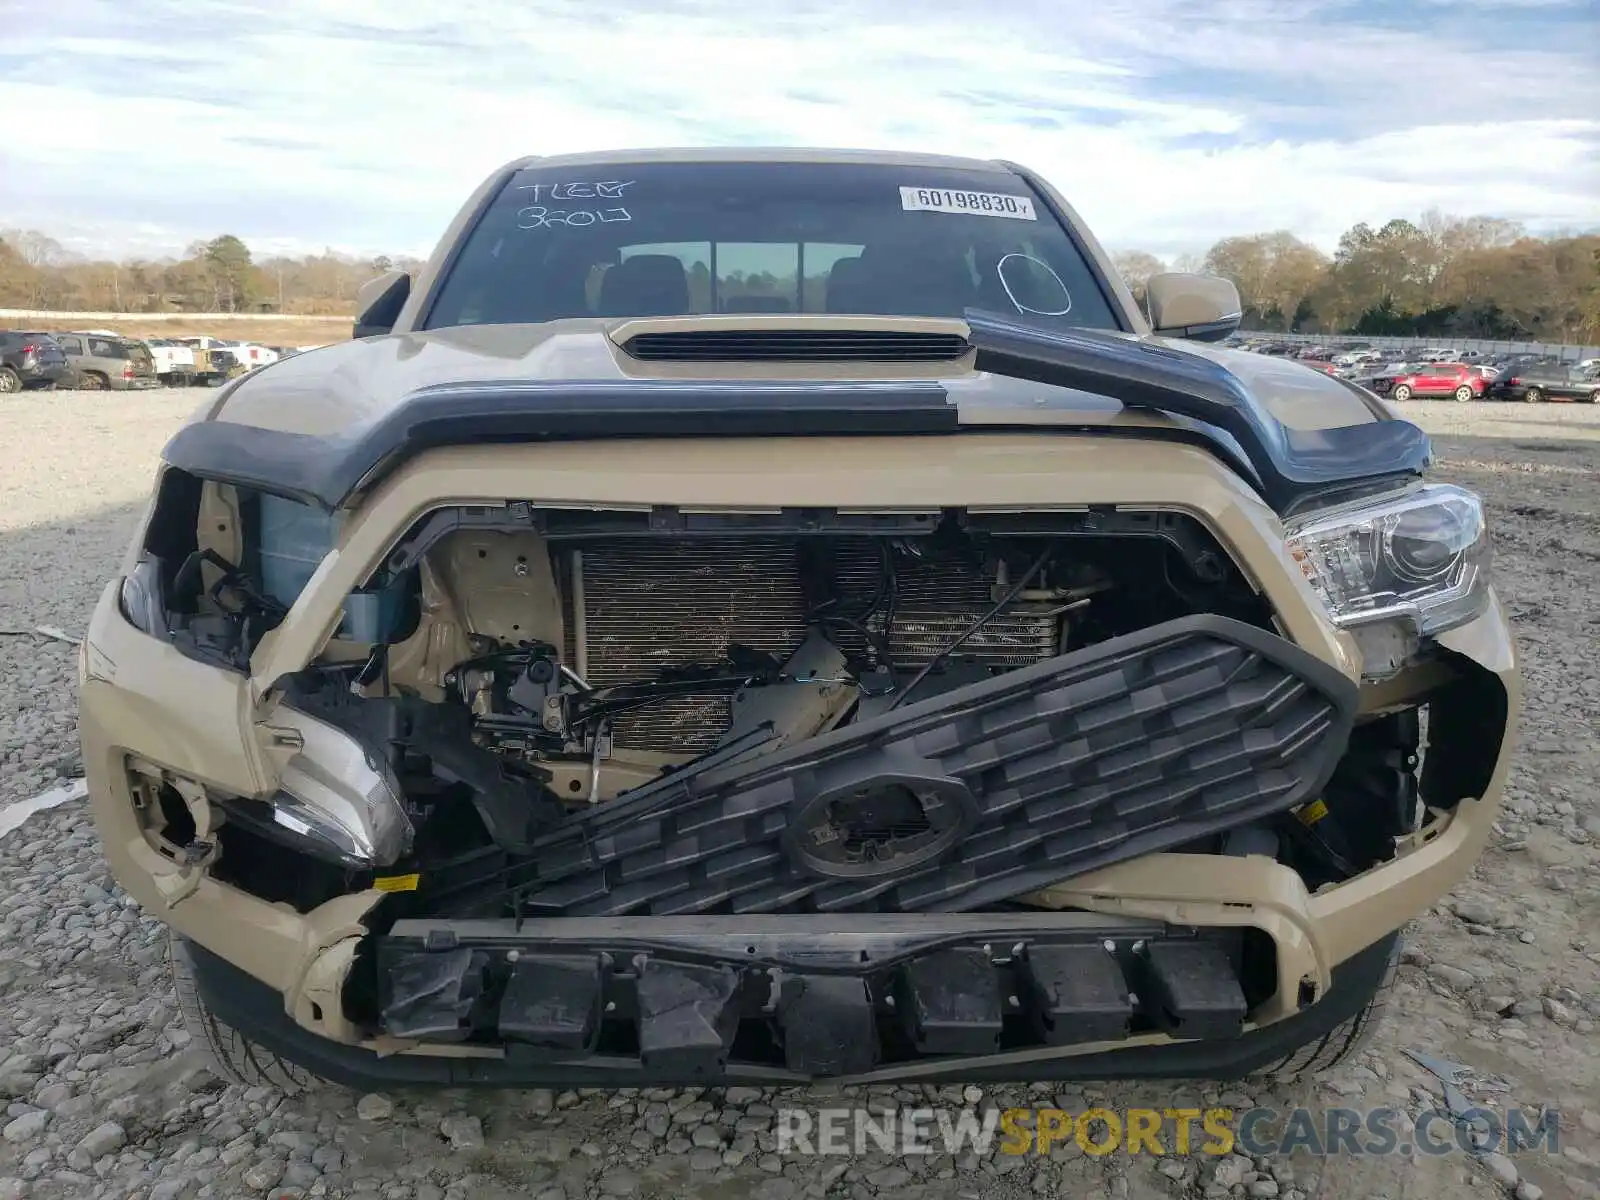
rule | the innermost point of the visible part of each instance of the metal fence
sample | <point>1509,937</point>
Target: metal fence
<point>1566,352</point>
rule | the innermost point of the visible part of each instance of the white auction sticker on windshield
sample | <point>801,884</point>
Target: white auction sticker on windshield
<point>982,204</point>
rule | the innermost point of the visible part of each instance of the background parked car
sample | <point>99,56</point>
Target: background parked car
<point>174,361</point>
<point>1380,377</point>
<point>213,364</point>
<point>104,362</point>
<point>29,359</point>
<point>1441,379</point>
<point>1552,381</point>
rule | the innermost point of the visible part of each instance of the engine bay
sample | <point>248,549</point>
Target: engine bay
<point>582,711</point>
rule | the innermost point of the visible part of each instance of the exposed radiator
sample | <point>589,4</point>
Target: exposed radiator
<point>651,603</point>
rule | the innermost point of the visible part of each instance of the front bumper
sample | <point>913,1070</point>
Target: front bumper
<point>43,373</point>
<point>692,1051</point>
<point>288,974</point>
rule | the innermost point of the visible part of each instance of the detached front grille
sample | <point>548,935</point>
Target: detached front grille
<point>1139,744</point>
<point>797,345</point>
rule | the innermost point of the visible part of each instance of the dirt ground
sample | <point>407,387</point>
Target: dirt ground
<point>105,1100</point>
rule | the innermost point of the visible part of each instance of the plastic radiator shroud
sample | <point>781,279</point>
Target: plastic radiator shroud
<point>1135,745</point>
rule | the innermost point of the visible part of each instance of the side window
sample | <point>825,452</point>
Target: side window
<point>70,345</point>
<point>100,348</point>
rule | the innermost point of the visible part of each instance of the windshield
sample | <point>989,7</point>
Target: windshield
<point>673,239</point>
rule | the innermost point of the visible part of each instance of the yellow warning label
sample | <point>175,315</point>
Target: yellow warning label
<point>1313,812</point>
<point>405,883</point>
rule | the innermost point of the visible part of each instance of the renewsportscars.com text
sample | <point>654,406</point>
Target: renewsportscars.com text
<point>1161,1131</point>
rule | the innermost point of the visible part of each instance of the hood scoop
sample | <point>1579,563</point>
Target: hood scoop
<point>797,345</point>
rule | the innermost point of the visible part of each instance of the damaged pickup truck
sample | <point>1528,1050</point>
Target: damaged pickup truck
<point>760,616</point>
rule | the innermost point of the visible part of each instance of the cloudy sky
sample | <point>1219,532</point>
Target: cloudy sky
<point>362,124</point>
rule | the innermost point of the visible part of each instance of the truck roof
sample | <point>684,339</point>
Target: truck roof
<point>742,154</point>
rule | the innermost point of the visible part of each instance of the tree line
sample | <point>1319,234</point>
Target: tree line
<point>1439,276</point>
<point>220,275</point>
<point>1468,277</point>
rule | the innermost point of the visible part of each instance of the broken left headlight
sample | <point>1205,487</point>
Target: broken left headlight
<point>336,796</point>
<point>1397,569</point>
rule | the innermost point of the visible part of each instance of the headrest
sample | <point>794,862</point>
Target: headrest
<point>645,285</point>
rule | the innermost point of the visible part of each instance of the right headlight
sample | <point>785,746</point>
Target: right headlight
<point>335,796</point>
<point>1397,569</point>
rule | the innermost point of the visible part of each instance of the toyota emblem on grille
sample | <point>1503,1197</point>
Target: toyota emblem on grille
<point>882,826</point>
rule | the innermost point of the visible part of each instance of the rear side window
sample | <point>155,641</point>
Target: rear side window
<point>676,239</point>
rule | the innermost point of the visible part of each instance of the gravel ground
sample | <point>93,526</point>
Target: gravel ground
<point>107,1098</point>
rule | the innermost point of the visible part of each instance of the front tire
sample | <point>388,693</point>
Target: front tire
<point>1594,396</point>
<point>1402,393</point>
<point>230,1055</point>
<point>1534,395</point>
<point>10,382</point>
<point>1463,393</point>
<point>1344,1041</point>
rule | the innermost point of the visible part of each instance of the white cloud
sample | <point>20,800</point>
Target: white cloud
<point>364,123</point>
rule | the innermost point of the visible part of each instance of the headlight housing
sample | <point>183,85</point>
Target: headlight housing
<point>1397,569</point>
<point>334,795</point>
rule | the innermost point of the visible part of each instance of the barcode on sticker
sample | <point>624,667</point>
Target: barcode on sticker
<point>982,204</point>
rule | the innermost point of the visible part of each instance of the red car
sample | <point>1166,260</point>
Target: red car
<point>1441,379</point>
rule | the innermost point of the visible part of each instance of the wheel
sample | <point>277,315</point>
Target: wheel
<point>1534,395</point>
<point>1463,393</point>
<point>229,1054</point>
<point>1345,1040</point>
<point>10,381</point>
<point>1594,396</point>
<point>1402,392</point>
<point>93,381</point>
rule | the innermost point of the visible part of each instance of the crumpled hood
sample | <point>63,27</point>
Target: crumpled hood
<point>332,390</point>
<point>327,426</point>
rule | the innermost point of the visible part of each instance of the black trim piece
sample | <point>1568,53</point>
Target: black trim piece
<point>1210,331</point>
<point>1288,462</point>
<point>326,471</point>
<point>849,944</point>
<point>244,1003</point>
<point>797,345</point>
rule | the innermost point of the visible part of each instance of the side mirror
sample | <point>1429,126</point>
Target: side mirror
<point>379,301</point>
<point>1203,308</point>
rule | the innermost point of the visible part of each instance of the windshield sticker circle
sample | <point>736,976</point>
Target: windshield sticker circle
<point>1033,286</point>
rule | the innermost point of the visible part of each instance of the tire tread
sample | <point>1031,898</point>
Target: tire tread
<point>1344,1041</point>
<point>230,1054</point>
